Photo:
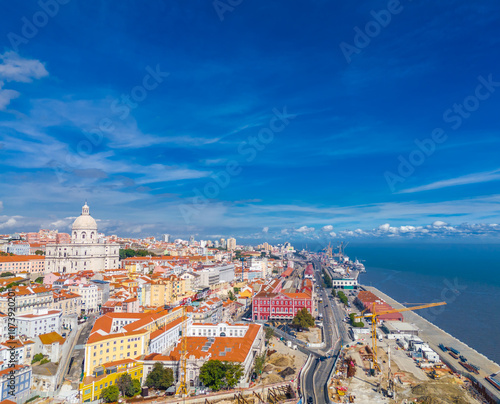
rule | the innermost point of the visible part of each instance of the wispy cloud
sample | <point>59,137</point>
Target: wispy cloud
<point>14,68</point>
<point>475,178</point>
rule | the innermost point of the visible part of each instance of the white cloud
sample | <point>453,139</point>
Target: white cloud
<point>333,234</point>
<point>265,230</point>
<point>439,223</point>
<point>6,96</point>
<point>304,229</point>
<point>15,68</point>
<point>10,223</point>
<point>384,227</point>
<point>328,227</point>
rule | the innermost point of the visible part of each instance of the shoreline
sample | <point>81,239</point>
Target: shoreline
<point>462,328</point>
<point>434,335</point>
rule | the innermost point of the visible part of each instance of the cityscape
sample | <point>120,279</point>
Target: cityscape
<point>234,202</point>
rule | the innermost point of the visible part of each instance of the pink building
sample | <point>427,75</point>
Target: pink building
<point>33,264</point>
<point>33,237</point>
<point>63,238</point>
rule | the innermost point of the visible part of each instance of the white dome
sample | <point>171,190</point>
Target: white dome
<point>85,221</point>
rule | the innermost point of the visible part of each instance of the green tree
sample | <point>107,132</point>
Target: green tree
<point>327,279</point>
<point>303,319</point>
<point>129,252</point>
<point>4,274</point>
<point>342,297</point>
<point>233,373</point>
<point>137,386</point>
<point>125,384</point>
<point>212,374</point>
<point>39,252</point>
<point>160,377</point>
<point>110,394</point>
<point>334,294</point>
<point>269,333</point>
<point>37,357</point>
<point>260,361</point>
<point>355,323</point>
<point>231,295</point>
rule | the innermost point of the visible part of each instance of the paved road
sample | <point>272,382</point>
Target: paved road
<point>78,352</point>
<point>316,377</point>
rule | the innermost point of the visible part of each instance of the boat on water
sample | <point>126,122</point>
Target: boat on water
<point>359,266</point>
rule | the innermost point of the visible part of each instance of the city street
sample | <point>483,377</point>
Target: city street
<point>76,357</point>
<point>316,376</point>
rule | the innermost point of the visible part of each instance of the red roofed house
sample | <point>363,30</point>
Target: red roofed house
<point>239,343</point>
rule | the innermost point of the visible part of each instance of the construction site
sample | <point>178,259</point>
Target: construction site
<point>397,379</point>
<point>385,364</point>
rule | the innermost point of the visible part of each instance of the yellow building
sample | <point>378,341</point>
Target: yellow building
<point>101,349</point>
<point>167,291</point>
<point>106,375</point>
<point>117,336</point>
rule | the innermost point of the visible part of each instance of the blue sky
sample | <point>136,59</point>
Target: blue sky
<point>266,120</point>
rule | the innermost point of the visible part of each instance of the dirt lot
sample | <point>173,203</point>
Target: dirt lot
<point>283,360</point>
<point>313,335</point>
<point>408,382</point>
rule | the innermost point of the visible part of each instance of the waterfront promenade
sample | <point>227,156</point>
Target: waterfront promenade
<point>434,336</point>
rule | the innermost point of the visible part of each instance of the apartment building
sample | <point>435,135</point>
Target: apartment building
<point>167,290</point>
<point>22,377</point>
<point>41,321</point>
<point>91,296</point>
<point>106,375</point>
<point>32,264</point>
<point>28,299</point>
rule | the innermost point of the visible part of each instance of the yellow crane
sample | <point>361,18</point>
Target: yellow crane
<point>329,251</point>
<point>374,319</point>
<point>182,390</point>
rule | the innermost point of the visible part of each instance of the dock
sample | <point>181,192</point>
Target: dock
<point>435,336</point>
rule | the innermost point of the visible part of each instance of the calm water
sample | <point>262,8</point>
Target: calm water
<point>466,276</point>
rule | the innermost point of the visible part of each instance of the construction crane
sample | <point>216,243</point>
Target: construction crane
<point>182,390</point>
<point>329,251</point>
<point>374,319</point>
<point>342,248</point>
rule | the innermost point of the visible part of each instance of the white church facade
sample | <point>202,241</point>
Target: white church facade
<point>85,252</point>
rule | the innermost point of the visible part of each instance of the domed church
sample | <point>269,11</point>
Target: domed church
<point>85,252</point>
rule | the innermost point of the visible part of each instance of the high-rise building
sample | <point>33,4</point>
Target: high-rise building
<point>231,244</point>
<point>191,239</point>
<point>166,238</point>
<point>223,242</point>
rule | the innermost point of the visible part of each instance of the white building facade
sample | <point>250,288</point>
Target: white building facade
<point>85,252</point>
<point>42,321</point>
